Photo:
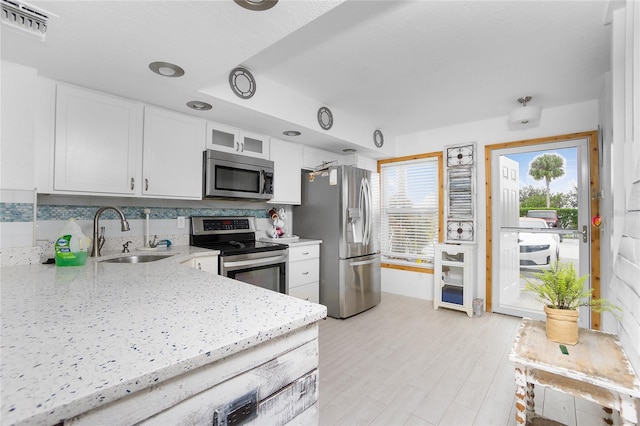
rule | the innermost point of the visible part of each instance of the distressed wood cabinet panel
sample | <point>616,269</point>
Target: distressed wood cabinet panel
<point>284,358</point>
<point>295,394</point>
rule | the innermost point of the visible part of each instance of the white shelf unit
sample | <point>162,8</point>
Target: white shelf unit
<point>454,277</point>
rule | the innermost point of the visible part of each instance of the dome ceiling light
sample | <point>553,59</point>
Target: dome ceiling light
<point>166,69</point>
<point>527,114</point>
<point>256,4</point>
<point>199,106</point>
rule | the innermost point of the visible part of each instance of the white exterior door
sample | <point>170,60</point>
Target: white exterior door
<point>511,267</point>
<point>509,214</point>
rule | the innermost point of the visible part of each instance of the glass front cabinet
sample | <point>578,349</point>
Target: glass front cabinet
<point>454,277</point>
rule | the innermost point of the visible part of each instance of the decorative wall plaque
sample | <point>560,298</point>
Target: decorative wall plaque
<point>325,118</point>
<point>242,83</point>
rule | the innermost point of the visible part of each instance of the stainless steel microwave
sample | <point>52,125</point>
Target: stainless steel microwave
<point>237,176</point>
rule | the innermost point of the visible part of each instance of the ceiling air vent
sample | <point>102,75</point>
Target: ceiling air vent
<point>25,18</point>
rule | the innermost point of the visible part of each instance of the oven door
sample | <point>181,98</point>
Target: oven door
<point>265,269</point>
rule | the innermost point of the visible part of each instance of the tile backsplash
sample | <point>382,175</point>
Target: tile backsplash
<point>22,228</point>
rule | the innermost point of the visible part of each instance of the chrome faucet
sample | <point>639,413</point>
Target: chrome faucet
<point>98,240</point>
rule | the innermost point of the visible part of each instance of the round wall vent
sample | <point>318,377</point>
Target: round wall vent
<point>325,118</point>
<point>242,83</point>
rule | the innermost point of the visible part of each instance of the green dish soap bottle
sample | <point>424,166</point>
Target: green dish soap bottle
<point>71,246</point>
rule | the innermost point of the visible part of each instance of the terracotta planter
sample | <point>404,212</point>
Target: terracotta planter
<point>562,325</point>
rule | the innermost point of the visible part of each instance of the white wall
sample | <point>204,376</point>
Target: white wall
<point>554,121</point>
<point>622,206</point>
<point>17,137</point>
<point>17,150</point>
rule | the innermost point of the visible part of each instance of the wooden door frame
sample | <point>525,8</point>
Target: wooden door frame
<point>594,179</point>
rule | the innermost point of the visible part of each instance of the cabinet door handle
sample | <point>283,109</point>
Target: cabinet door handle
<point>200,266</point>
<point>305,273</point>
<point>146,184</point>
<point>237,146</point>
<point>133,183</point>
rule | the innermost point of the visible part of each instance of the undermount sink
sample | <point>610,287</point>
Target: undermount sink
<point>143,258</point>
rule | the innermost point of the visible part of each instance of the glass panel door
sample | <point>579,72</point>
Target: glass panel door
<point>541,206</point>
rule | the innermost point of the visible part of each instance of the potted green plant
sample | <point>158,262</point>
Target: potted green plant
<point>562,292</point>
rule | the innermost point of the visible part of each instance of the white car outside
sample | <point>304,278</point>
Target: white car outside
<point>537,250</point>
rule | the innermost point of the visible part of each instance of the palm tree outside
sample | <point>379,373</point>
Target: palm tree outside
<point>547,167</point>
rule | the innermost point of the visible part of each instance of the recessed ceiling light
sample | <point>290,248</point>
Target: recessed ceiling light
<point>291,133</point>
<point>199,106</point>
<point>256,4</point>
<point>349,150</point>
<point>166,69</point>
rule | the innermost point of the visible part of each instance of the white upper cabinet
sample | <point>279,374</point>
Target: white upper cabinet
<point>254,144</point>
<point>112,146</point>
<point>221,137</point>
<point>287,159</point>
<point>172,156</point>
<point>314,158</point>
<point>98,142</point>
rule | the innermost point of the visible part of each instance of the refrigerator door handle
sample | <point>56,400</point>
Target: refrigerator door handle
<point>366,191</point>
<point>361,208</point>
<point>363,262</point>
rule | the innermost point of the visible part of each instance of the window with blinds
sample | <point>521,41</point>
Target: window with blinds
<point>410,211</point>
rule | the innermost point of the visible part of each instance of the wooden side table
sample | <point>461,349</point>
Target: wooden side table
<point>595,369</point>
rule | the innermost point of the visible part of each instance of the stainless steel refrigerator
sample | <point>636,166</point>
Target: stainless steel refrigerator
<point>340,207</point>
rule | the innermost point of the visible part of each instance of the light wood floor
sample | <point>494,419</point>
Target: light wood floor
<point>404,363</point>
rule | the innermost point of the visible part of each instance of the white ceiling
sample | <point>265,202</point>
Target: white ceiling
<point>399,66</point>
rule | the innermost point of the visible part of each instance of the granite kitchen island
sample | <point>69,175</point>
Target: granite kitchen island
<point>155,342</point>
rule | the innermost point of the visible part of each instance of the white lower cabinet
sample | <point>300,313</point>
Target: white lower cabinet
<point>454,277</point>
<point>204,263</point>
<point>304,272</point>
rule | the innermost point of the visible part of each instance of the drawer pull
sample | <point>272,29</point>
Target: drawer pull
<point>306,253</point>
<point>305,273</point>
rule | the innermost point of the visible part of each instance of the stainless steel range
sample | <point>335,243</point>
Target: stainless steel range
<point>242,257</point>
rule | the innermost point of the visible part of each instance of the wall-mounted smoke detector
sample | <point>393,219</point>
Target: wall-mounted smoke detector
<point>25,18</point>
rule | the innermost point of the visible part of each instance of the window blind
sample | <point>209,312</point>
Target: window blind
<point>409,208</point>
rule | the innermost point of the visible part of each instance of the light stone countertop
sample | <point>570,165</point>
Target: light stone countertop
<point>75,338</point>
<point>303,242</point>
<point>296,243</point>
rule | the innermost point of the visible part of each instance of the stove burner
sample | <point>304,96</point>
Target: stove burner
<point>237,244</point>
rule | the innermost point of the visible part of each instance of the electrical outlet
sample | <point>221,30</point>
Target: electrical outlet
<point>180,222</point>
